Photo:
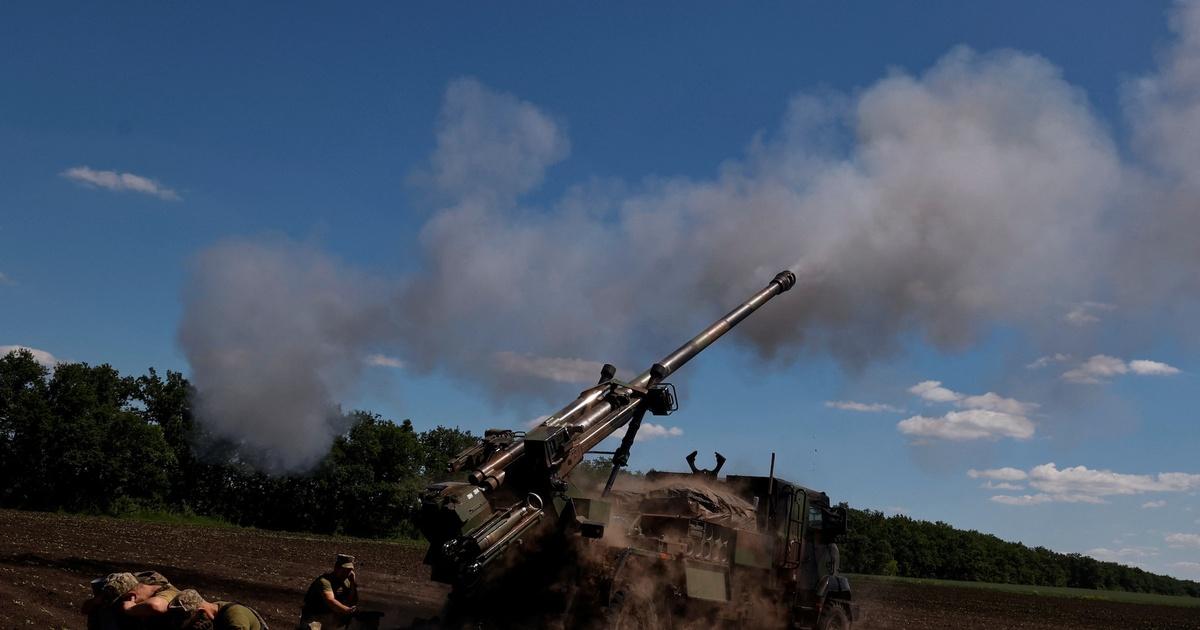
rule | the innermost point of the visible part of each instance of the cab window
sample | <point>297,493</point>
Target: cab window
<point>814,516</point>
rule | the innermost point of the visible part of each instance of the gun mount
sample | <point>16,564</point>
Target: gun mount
<point>516,481</point>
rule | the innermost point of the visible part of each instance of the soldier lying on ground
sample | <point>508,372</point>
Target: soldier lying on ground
<point>119,599</point>
<point>331,598</point>
<point>191,612</point>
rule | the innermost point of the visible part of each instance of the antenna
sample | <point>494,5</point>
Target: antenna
<point>771,487</point>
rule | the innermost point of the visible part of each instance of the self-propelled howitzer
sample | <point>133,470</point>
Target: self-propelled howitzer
<point>516,480</point>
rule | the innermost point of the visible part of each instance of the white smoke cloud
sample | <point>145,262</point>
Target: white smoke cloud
<point>1086,313</point>
<point>1164,114</point>
<point>560,369</point>
<point>275,334</point>
<point>383,360</point>
<point>491,146</point>
<point>116,181</point>
<point>929,205</point>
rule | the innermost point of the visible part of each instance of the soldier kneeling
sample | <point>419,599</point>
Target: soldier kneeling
<point>332,597</point>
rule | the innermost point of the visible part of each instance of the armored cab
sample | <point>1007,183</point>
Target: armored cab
<point>739,551</point>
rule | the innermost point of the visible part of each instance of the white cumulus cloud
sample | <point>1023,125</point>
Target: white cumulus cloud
<point>995,402</point>
<point>1042,497</point>
<point>1124,554</point>
<point>1026,499</point>
<point>1101,368</point>
<point>1154,505</point>
<point>850,405</point>
<point>113,180</point>
<point>1096,369</point>
<point>934,392</point>
<point>998,474</point>
<point>1081,479</point>
<point>971,424</point>
<point>1152,368</point>
<point>650,431</point>
<point>982,416</point>
<point>1080,484</point>
<point>1043,361</point>
<point>1183,540</point>
<point>41,356</point>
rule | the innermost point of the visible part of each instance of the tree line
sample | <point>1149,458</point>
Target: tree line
<point>83,438</point>
<point>898,545</point>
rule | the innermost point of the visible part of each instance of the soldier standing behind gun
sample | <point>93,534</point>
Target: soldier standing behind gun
<point>331,598</point>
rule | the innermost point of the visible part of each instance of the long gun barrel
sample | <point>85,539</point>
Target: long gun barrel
<point>465,527</point>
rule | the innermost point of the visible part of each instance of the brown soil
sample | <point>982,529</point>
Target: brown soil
<point>892,605</point>
<point>46,561</point>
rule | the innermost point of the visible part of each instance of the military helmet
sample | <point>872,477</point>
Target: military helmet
<point>116,586</point>
<point>188,601</point>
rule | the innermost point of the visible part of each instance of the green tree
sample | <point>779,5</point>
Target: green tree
<point>25,420</point>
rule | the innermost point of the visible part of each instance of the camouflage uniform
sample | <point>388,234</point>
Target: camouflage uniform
<point>315,614</point>
<point>186,611</point>
<point>114,586</point>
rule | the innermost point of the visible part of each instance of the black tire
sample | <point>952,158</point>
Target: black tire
<point>834,618</point>
<point>632,612</point>
<point>630,607</point>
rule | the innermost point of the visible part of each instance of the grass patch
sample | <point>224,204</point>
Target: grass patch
<point>166,517</point>
<point>175,518</point>
<point>1045,591</point>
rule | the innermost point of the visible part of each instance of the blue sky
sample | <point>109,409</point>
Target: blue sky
<point>359,153</point>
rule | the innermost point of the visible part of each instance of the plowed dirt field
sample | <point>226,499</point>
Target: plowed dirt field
<point>46,561</point>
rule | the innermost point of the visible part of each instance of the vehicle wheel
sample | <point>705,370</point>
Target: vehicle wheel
<point>631,608</point>
<point>834,618</point>
<point>633,612</point>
